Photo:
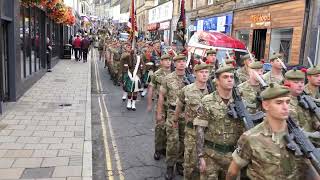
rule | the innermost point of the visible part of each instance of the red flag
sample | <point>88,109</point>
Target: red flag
<point>133,26</point>
<point>181,26</point>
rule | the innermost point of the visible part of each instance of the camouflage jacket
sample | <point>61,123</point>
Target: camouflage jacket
<point>156,80</point>
<point>303,117</point>
<point>171,86</point>
<point>266,155</point>
<point>315,95</point>
<point>220,127</point>
<point>190,97</point>
<point>271,79</point>
<point>242,74</point>
<point>249,95</point>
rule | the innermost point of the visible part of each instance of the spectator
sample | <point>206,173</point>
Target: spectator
<point>85,44</point>
<point>77,47</point>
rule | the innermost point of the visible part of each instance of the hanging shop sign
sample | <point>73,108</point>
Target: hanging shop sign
<point>260,20</point>
<point>164,25</point>
<point>161,13</point>
<point>217,23</point>
<point>153,27</point>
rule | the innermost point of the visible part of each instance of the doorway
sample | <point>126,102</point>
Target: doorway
<point>259,42</point>
<point>4,61</point>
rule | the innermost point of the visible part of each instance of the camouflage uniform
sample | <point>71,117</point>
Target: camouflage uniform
<point>308,91</point>
<point>271,79</point>
<point>249,95</point>
<point>190,97</point>
<point>266,155</point>
<point>160,138</point>
<point>220,136</point>
<point>171,85</point>
<point>242,74</point>
<point>116,65</point>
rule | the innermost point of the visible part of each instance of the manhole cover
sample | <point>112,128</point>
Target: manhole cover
<point>60,80</point>
<point>62,105</point>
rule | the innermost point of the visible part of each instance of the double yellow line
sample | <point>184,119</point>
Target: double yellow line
<point>103,118</point>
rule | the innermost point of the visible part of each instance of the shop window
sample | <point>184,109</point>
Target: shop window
<point>194,4</point>
<point>32,39</point>
<point>22,36</point>
<point>27,43</point>
<point>281,40</point>
<point>243,36</point>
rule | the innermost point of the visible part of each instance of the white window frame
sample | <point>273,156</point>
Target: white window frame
<point>194,4</point>
<point>210,2</point>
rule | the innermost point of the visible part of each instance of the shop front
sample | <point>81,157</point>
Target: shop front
<point>271,29</point>
<point>221,23</point>
<point>164,32</point>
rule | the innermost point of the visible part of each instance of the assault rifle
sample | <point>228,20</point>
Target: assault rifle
<point>238,109</point>
<point>189,78</point>
<point>307,102</point>
<point>300,144</point>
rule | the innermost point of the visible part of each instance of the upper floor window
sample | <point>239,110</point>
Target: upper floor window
<point>210,2</point>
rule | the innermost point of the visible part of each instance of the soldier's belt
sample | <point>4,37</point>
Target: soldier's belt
<point>189,124</point>
<point>219,147</point>
<point>172,107</point>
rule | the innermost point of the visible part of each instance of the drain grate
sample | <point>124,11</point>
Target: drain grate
<point>62,105</point>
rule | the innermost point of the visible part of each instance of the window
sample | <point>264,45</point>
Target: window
<point>194,4</point>
<point>22,46</point>
<point>243,36</point>
<point>210,2</point>
<point>281,40</point>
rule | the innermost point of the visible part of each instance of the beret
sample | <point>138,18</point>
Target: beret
<point>313,71</point>
<point>179,57</point>
<point>275,56</point>
<point>226,68</point>
<point>166,56</point>
<point>211,51</point>
<point>294,74</point>
<point>256,65</point>
<point>274,91</point>
<point>201,66</point>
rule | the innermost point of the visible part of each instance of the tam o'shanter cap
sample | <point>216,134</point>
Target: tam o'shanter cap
<point>245,57</point>
<point>225,68</point>
<point>211,51</point>
<point>294,74</point>
<point>276,56</point>
<point>314,70</point>
<point>274,91</point>
<point>179,57</point>
<point>201,66</point>
<point>256,65</point>
<point>165,56</point>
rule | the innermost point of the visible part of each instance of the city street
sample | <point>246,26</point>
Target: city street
<point>128,151</point>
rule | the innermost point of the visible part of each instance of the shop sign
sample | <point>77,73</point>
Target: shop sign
<point>164,25</point>
<point>220,23</point>
<point>161,13</point>
<point>153,27</point>
<point>260,20</point>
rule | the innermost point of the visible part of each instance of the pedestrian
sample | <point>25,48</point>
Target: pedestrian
<point>77,47</point>
<point>188,102</point>
<point>169,90</point>
<point>85,45</point>
<point>217,132</point>
<point>160,139</point>
<point>263,148</point>
<point>48,52</point>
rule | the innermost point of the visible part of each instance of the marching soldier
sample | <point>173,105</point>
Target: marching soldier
<point>117,51</point>
<point>312,88</point>
<point>252,87</point>
<point>217,132</point>
<point>170,87</point>
<point>295,80</point>
<point>275,75</point>
<point>263,148</point>
<point>189,98</point>
<point>243,73</point>
<point>154,87</point>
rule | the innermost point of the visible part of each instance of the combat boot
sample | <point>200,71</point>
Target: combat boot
<point>179,169</point>
<point>169,174</point>
<point>133,105</point>
<point>129,104</point>
<point>124,96</point>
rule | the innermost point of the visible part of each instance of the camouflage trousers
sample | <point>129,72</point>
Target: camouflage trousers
<point>217,165</point>
<point>175,140</point>
<point>160,136</point>
<point>191,171</point>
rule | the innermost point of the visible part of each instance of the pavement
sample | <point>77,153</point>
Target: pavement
<point>48,136</point>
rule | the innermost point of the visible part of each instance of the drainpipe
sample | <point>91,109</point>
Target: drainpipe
<point>304,30</point>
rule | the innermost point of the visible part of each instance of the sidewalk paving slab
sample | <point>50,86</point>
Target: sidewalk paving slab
<point>48,133</point>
